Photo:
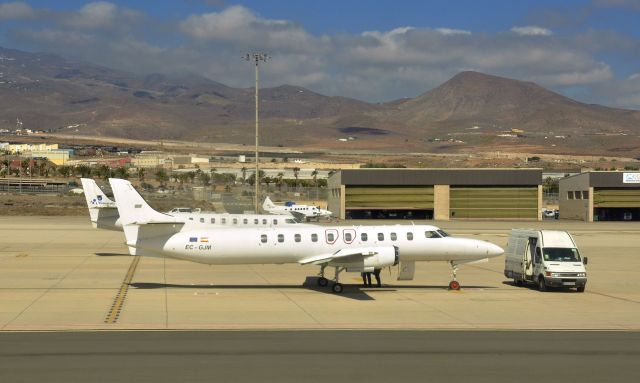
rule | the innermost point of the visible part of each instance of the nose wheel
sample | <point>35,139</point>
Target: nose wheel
<point>454,284</point>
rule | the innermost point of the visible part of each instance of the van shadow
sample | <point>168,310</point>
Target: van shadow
<point>534,287</point>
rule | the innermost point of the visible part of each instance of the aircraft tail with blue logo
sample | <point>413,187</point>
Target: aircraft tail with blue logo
<point>102,210</point>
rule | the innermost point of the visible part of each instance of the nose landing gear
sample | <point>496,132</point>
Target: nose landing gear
<point>454,284</point>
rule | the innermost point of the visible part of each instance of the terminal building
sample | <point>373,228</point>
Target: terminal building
<point>440,194</point>
<point>600,196</point>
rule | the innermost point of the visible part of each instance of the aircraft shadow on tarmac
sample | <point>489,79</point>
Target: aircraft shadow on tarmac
<point>113,254</point>
<point>351,291</point>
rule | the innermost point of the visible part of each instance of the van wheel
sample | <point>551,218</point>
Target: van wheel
<point>541,285</point>
<point>581,289</point>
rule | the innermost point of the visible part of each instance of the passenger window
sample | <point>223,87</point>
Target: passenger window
<point>223,221</point>
<point>245,221</point>
<point>348,237</point>
<point>264,221</point>
<point>431,234</point>
<point>213,220</point>
<point>409,236</point>
<point>263,238</point>
<point>297,237</point>
<point>393,236</point>
<point>380,237</point>
<point>235,221</point>
<point>364,237</point>
<point>314,237</point>
<point>280,237</point>
<point>331,237</point>
<point>190,218</point>
<point>275,221</point>
<point>202,220</point>
<point>256,221</point>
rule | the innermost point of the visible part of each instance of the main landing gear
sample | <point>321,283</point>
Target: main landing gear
<point>337,286</point>
<point>454,284</point>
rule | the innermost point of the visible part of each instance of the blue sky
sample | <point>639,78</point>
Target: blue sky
<point>372,50</point>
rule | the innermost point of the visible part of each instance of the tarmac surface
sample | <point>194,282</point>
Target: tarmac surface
<point>58,273</point>
<point>299,356</point>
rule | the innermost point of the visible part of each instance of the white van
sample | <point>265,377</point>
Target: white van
<point>549,258</point>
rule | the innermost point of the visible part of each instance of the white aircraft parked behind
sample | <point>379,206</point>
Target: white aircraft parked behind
<point>104,214</point>
<point>302,212</point>
<point>346,248</point>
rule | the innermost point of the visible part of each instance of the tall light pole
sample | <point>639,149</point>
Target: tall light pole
<point>257,57</point>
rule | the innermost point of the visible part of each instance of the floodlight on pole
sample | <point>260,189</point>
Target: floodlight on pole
<point>257,57</point>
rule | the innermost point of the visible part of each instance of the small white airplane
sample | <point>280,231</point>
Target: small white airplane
<point>104,214</point>
<point>346,248</point>
<point>301,212</point>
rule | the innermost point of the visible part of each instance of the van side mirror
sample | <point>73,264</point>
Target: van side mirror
<point>585,260</point>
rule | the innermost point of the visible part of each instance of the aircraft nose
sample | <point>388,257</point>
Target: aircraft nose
<point>494,250</point>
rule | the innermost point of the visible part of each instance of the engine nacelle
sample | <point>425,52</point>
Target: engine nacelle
<point>380,257</point>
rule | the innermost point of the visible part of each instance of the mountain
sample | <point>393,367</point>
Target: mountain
<point>471,111</point>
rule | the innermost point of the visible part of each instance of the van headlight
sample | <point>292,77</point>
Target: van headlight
<point>582,274</point>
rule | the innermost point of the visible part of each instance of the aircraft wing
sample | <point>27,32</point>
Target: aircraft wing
<point>341,256</point>
<point>297,215</point>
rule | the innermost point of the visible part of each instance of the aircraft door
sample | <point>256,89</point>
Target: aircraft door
<point>348,235</point>
<point>331,236</point>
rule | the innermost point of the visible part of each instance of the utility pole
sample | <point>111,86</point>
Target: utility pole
<point>256,58</point>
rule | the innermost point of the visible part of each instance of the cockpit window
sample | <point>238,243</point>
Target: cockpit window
<point>431,234</point>
<point>443,233</point>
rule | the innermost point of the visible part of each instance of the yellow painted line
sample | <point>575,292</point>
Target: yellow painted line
<point>118,302</point>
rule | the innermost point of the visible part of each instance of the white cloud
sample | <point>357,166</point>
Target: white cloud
<point>449,31</point>
<point>17,10</point>
<point>531,31</point>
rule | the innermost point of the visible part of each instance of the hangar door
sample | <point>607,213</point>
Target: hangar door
<point>493,202</point>
<point>394,202</point>
<point>616,204</point>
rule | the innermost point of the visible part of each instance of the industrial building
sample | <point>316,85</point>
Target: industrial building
<point>601,196</point>
<point>440,194</point>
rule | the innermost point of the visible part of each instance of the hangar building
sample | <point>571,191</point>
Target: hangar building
<point>601,196</point>
<point>440,194</point>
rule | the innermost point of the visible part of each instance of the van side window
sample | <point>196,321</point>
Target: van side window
<point>314,237</point>
<point>213,220</point>
<point>538,255</point>
<point>297,237</point>
<point>409,236</point>
<point>380,236</point>
<point>263,238</point>
<point>393,236</point>
<point>280,237</point>
<point>364,237</point>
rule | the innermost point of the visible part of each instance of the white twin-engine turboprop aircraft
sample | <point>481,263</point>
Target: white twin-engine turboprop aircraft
<point>354,249</point>
<point>302,212</point>
<point>104,214</point>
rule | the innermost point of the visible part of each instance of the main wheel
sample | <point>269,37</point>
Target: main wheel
<point>322,281</point>
<point>337,288</point>
<point>541,285</point>
<point>454,285</point>
<point>581,288</point>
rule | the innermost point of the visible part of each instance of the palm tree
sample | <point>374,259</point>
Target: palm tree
<point>279,180</point>
<point>314,174</point>
<point>296,171</point>
<point>122,172</point>
<point>7,164</point>
<point>25,165</point>
<point>161,176</point>
<point>141,174</point>
<point>244,174</point>
<point>42,169</point>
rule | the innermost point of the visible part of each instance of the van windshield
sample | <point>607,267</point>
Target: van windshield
<point>559,254</point>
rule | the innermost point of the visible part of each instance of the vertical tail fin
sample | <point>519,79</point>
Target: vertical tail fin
<point>268,205</point>
<point>133,208</point>
<point>102,210</point>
